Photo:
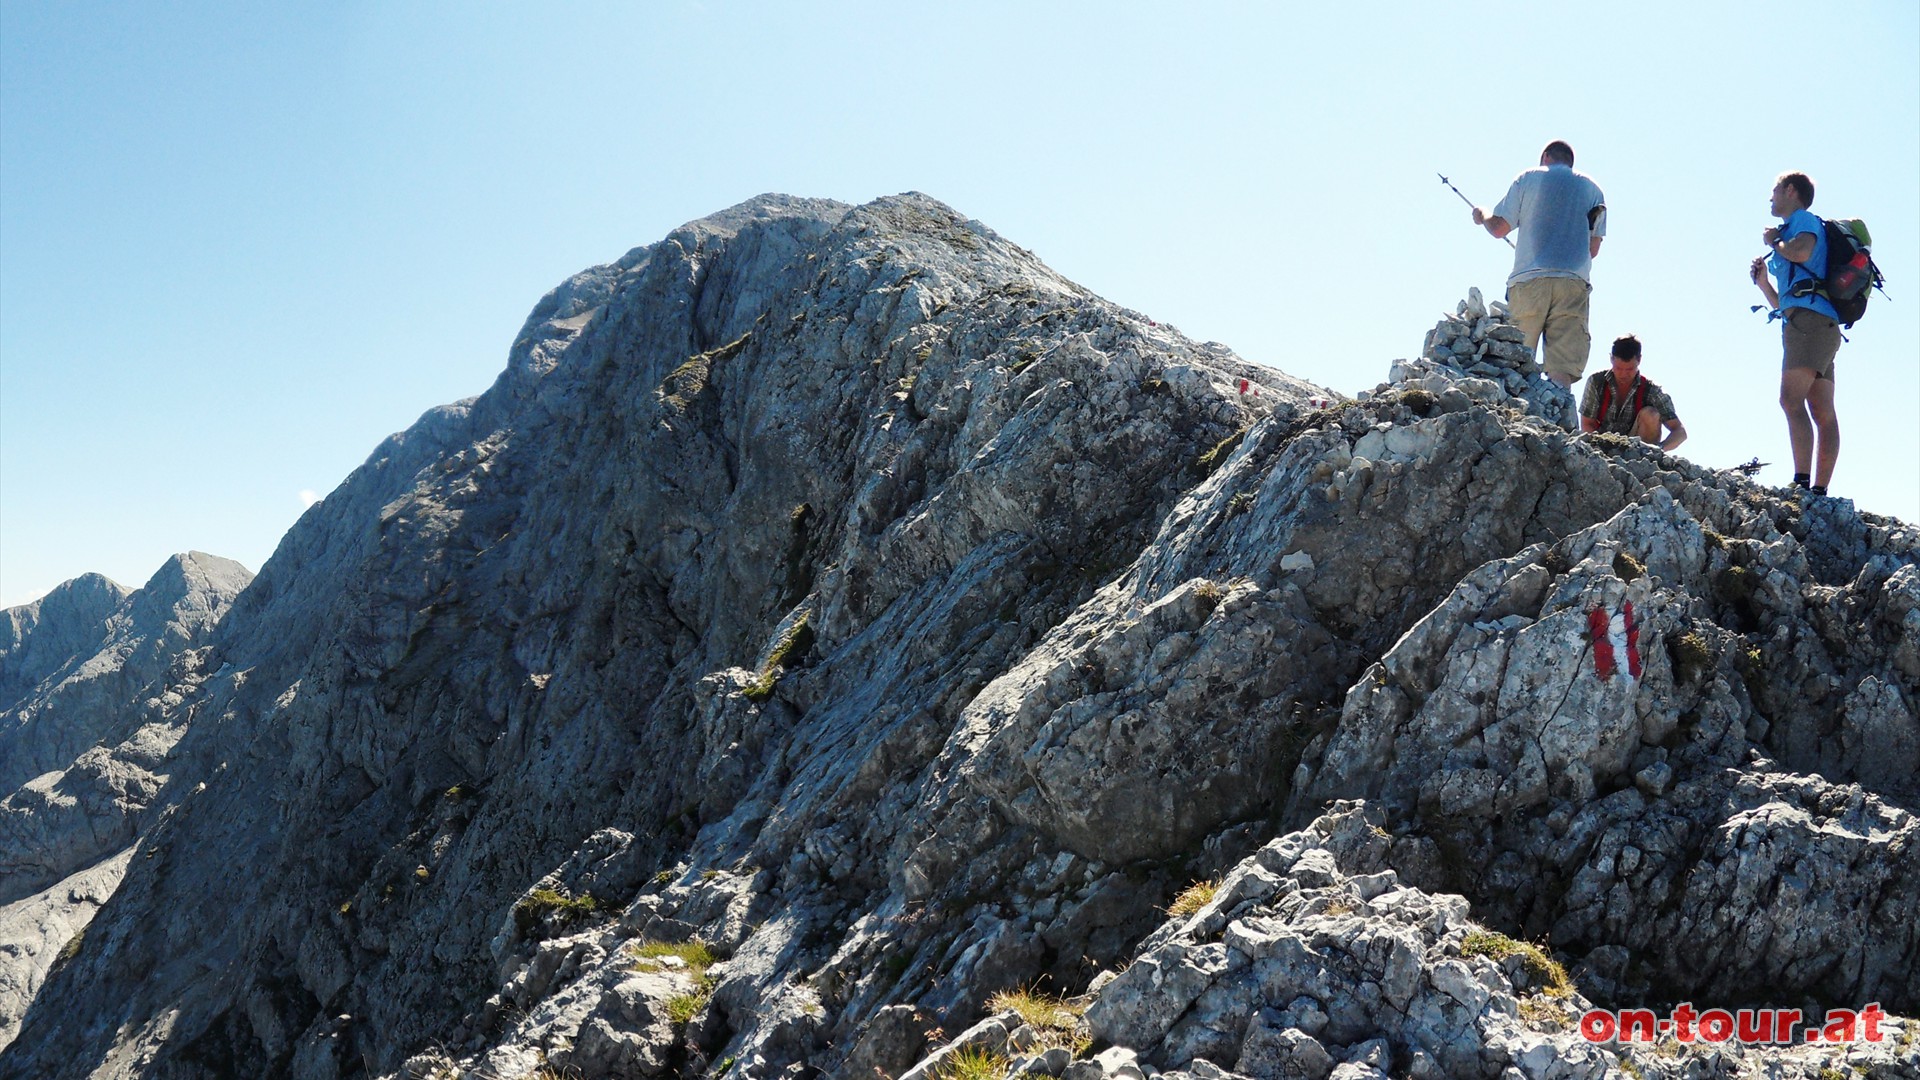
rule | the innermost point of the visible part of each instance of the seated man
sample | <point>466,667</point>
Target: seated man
<point>1624,402</point>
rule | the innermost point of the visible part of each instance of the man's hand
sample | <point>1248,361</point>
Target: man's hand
<point>1770,236</point>
<point>1759,269</point>
<point>1479,216</point>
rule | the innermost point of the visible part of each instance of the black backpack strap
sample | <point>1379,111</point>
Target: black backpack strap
<point>1818,287</point>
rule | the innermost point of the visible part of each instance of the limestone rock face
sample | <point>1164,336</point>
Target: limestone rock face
<point>1636,809</point>
<point>832,617</point>
<point>83,742</point>
<point>1313,959</point>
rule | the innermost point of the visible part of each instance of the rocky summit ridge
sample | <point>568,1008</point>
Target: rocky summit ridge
<point>832,618</point>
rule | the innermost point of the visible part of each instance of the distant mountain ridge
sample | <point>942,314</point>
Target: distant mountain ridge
<point>37,639</point>
<point>841,588</point>
<point>87,672</point>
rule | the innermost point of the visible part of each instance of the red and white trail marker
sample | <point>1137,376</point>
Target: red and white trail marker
<point>1247,387</point>
<point>1615,636</point>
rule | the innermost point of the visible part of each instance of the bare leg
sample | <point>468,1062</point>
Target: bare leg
<point>1827,427</point>
<point>1646,424</point>
<point>1795,384</point>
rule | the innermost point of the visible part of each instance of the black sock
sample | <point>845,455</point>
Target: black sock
<point>1818,489</point>
<point>1801,479</point>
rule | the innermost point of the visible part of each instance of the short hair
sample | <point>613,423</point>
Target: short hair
<point>1559,151</point>
<point>1626,347</point>
<point>1801,183</point>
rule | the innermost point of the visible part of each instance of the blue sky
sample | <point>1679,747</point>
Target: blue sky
<point>240,244</point>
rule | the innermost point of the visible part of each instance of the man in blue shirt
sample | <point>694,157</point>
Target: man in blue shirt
<point>1561,217</point>
<point>1809,331</point>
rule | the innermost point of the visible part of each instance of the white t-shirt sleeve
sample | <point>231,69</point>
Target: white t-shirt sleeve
<point>1516,200</point>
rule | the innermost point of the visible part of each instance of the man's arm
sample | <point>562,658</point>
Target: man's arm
<point>1799,249</point>
<point>1498,226</point>
<point>1759,274</point>
<point>1590,406</point>
<point>1593,246</point>
<point>1676,434</point>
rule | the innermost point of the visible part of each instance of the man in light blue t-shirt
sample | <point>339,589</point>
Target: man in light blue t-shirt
<point>1809,329</point>
<point>1561,217</point>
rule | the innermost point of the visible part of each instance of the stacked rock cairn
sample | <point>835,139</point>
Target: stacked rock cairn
<point>1478,350</point>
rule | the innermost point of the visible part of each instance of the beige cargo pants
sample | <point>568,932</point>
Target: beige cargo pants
<point>1554,308</point>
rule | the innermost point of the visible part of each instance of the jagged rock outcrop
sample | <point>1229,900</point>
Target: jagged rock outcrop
<point>1631,811</point>
<point>1311,959</point>
<point>842,592</point>
<point>83,743</point>
<point>1479,353</point>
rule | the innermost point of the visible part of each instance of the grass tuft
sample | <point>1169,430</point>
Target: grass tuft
<point>1543,1011</point>
<point>1209,461</point>
<point>695,957</point>
<point>1542,970</point>
<point>1043,1012</point>
<point>542,903</point>
<point>682,1008</point>
<point>793,645</point>
<point>689,380</point>
<point>1690,656</point>
<point>1193,898</point>
<point>1210,593</point>
<point>973,1063</point>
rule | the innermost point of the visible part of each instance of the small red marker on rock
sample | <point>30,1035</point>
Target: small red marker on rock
<point>1616,637</point>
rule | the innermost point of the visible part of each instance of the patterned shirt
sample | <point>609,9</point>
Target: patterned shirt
<point>1620,409</point>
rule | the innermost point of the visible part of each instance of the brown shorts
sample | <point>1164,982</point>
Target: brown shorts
<point>1809,340</point>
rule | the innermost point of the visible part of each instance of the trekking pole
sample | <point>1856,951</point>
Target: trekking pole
<point>1469,202</point>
